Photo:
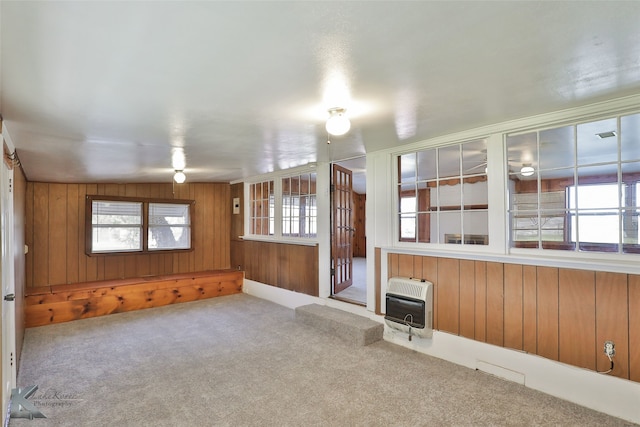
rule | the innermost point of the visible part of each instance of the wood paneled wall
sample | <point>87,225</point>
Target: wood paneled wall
<point>55,233</point>
<point>287,266</point>
<point>359,221</point>
<point>558,313</point>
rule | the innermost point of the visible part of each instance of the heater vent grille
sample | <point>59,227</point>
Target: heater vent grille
<point>408,287</point>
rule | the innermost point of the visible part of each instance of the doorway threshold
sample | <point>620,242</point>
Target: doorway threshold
<point>348,300</point>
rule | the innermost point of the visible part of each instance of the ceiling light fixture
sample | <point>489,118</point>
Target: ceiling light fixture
<point>179,177</point>
<point>527,170</point>
<point>338,123</point>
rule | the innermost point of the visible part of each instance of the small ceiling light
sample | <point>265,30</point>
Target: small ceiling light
<point>179,177</point>
<point>338,123</point>
<point>527,170</point>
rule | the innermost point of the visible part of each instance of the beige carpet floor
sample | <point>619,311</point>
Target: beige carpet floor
<point>242,361</point>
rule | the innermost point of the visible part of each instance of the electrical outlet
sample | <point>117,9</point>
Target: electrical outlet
<point>609,348</point>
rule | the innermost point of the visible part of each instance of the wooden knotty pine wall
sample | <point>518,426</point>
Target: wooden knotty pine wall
<point>557,313</point>
<point>283,265</point>
<point>55,233</point>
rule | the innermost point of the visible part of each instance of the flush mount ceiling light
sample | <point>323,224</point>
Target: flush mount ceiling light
<point>338,123</point>
<point>527,170</point>
<point>179,177</point>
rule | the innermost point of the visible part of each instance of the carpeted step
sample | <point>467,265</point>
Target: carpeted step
<point>349,327</point>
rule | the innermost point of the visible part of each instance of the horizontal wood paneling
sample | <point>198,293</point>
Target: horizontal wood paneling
<point>64,303</point>
<point>55,233</point>
<point>557,313</point>
<point>288,266</point>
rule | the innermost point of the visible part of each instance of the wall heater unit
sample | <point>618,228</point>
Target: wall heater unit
<point>410,306</point>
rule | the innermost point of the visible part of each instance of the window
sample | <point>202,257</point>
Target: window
<point>581,192</point>
<point>299,212</point>
<point>125,225</point>
<point>443,195</point>
<point>284,208</point>
<point>261,197</point>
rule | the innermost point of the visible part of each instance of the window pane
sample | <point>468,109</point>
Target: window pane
<point>426,165</point>
<point>407,167</point>
<point>450,224</point>
<point>474,157</point>
<point>169,226</point>
<point>630,137</point>
<point>116,239</point>
<point>112,212</point>
<point>476,227</point>
<point>116,226</point>
<point>408,227</point>
<point>449,161</point>
<point>522,150</point>
<point>557,148</point>
<point>593,148</point>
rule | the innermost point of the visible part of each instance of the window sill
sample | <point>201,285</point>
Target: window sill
<point>288,240</point>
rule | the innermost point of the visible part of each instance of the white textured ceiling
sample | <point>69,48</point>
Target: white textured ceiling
<point>105,91</point>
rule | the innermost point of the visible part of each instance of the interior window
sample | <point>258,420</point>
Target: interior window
<point>443,195</point>
<point>575,187</point>
<point>299,212</point>
<point>261,202</point>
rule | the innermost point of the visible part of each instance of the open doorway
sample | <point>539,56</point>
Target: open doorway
<point>348,237</point>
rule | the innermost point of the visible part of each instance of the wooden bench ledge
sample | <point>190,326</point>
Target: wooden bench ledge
<point>62,303</point>
<point>112,283</point>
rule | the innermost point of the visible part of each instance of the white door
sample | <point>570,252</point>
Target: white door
<point>8,287</point>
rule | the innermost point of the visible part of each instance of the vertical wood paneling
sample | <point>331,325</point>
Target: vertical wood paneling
<point>559,314</point>
<point>359,240</point>
<point>430,273</point>
<point>529,298</point>
<point>448,294</point>
<point>81,256</point>
<point>577,320</point>
<point>40,234</point>
<point>480,326</point>
<point>72,230</point>
<point>28,238</point>
<point>467,298</point>
<point>495,303</point>
<point>57,233</point>
<point>393,266</point>
<point>91,262</point>
<point>55,223</point>
<point>634,327</point>
<point>405,265</point>
<point>612,321</point>
<point>547,303</point>
<point>513,315</point>
<point>210,244</point>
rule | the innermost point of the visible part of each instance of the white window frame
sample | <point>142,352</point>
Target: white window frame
<point>278,235</point>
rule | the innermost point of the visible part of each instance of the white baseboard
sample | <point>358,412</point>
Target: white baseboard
<point>280,296</point>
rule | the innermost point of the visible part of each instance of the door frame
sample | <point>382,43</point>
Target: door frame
<point>8,340</point>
